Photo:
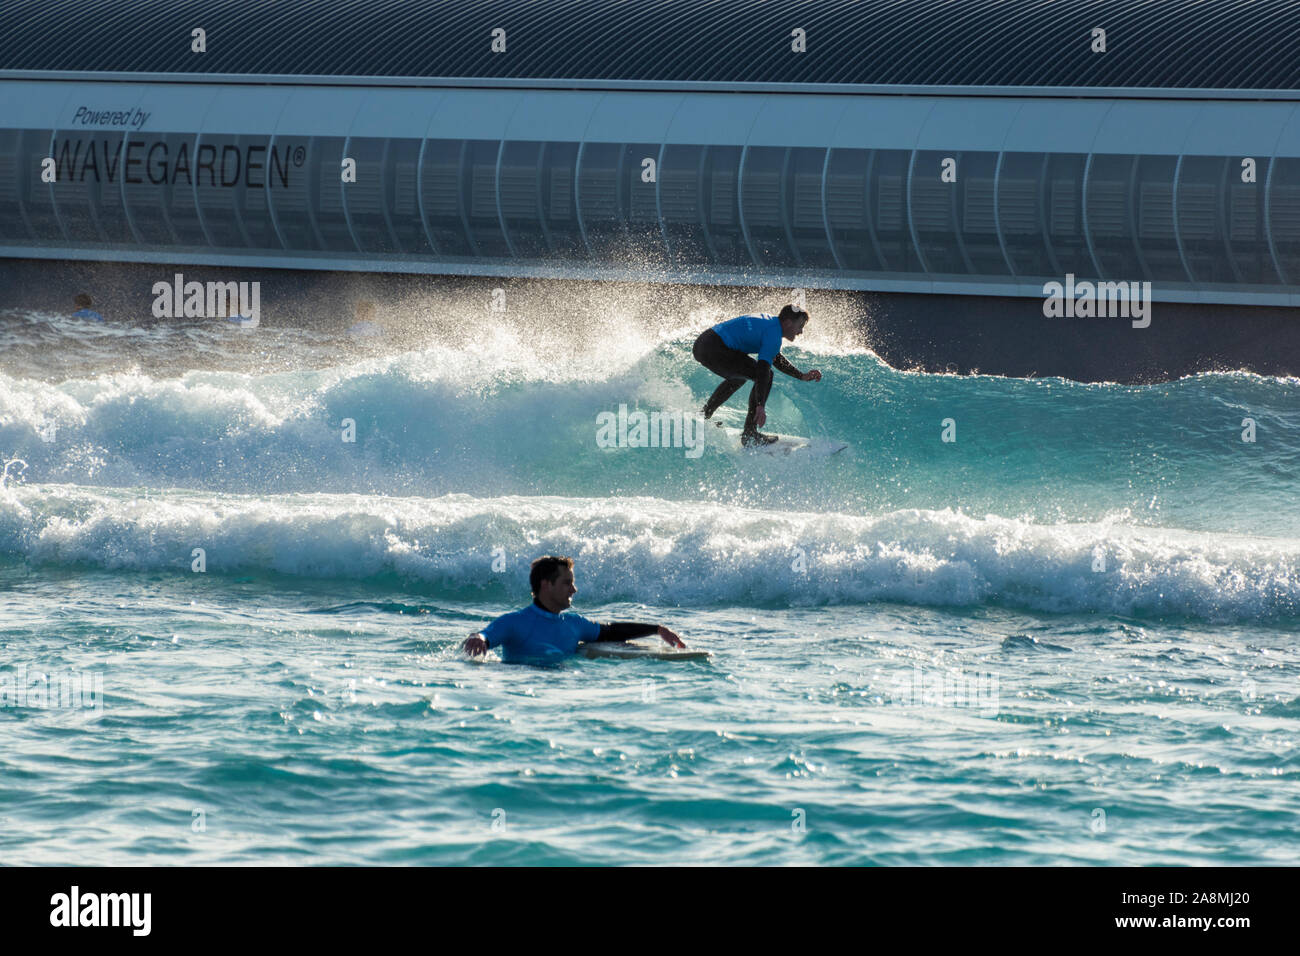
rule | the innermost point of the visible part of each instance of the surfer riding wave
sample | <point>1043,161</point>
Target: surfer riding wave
<point>725,350</point>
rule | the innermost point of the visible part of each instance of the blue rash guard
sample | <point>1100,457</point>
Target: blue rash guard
<point>752,334</point>
<point>534,634</point>
<point>90,314</point>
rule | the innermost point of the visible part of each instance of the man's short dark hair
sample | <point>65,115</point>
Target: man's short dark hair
<point>547,569</point>
<point>82,300</point>
<point>794,312</point>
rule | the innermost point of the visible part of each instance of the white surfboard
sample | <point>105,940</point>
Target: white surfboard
<point>626,650</point>
<point>790,445</point>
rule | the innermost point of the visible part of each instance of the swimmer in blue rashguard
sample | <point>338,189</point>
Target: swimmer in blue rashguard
<point>84,311</point>
<point>725,350</point>
<point>542,632</point>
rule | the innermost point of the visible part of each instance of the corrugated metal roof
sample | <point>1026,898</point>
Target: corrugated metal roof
<point>1173,44</point>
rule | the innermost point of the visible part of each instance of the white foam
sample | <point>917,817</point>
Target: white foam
<point>669,552</point>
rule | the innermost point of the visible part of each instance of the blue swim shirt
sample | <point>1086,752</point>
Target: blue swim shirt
<point>536,635</point>
<point>752,334</point>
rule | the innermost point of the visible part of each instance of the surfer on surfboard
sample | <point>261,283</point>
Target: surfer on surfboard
<point>725,350</point>
<point>542,631</point>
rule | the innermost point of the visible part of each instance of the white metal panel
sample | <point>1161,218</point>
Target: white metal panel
<point>1238,129</point>
<point>967,124</point>
<point>1288,140</point>
<point>882,122</point>
<point>395,114</point>
<point>241,111</point>
<point>553,116</point>
<point>46,105</point>
<point>633,117</point>
<point>171,108</point>
<point>321,111</point>
<point>709,120</point>
<point>1056,126</point>
<point>796,120</point>
<point>1146,128</point>
<point>473,114</point>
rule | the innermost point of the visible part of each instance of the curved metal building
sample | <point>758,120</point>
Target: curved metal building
<point>972,146</point>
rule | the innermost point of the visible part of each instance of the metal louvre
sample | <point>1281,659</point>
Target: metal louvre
<point>1064,209</point>
<point>1244,219</point>
<point>1018,207</point>
<point>977,207</point>
<point>680,193</point>
<point>827,212</point>
<point>1197,215</point>
<point>385,211</point>
<point>1108,210</point>
<point>1156,211</point>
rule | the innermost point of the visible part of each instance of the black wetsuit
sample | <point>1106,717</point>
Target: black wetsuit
<point>737,368</point>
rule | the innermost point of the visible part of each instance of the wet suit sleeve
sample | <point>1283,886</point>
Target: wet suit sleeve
<point>782,364</point>
<point>763,382</point>
<point>623,630</point>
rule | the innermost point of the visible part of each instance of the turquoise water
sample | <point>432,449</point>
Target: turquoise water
<point>1069,636</point>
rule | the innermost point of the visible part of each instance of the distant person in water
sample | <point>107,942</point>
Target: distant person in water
<point>84,310</point>
<point>542,632</point>
<point>243,321</point>
<point>366,325</point>
<point>725,350</point>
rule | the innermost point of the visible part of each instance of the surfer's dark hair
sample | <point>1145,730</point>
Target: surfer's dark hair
<point>547,568</point>
<point>793,312</point>
<point>82,300</point>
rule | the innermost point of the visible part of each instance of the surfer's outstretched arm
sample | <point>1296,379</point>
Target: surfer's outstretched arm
<point>626,630</point>
<point>782,364</point>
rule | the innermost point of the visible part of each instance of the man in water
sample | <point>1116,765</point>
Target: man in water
<point>542,632</point>
<point>365,324</point>
<point>725,350</point>
<point>84,310</point>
